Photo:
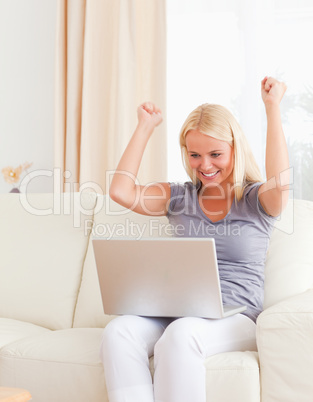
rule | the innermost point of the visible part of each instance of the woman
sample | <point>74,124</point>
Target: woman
<point>225,200</point>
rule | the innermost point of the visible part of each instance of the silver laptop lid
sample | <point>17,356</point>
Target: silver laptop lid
<point>167,277</point>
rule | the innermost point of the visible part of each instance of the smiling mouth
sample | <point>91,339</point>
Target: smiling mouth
<point>210,175</point>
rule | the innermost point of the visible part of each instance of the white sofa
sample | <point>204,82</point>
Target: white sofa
<point>51,315</point>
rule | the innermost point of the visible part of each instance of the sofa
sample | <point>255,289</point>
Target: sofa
<point>51,314</point>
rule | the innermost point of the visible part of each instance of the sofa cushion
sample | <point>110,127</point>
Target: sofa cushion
<point>110,220</point>
<point>44,242</point>
<point>65,366</point>
<point>231,376</point>
<point>55,366</point>
<point>289,267</point>
<point>13,330</point>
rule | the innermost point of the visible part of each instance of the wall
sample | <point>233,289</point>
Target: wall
<point>27,53</point>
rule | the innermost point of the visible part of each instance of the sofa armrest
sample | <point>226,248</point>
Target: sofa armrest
<point>285,345</point>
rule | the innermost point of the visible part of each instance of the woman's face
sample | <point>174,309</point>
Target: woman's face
<point>210,159</point>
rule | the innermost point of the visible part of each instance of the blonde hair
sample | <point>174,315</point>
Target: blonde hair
<point>217,122</point>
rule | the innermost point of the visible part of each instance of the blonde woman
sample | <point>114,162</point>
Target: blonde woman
<point>225,199</point>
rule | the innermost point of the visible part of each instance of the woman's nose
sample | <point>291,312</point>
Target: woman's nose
<point>206,164</point>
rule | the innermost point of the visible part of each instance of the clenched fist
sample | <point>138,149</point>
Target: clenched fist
<point>149,113</point>
<point>272,91</point>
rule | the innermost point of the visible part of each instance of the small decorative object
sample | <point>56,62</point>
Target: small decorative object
<point>13,175</point>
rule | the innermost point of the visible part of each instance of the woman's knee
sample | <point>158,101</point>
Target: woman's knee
<point>180,335</point>
<point>131,332</point>
<point>116,333</point>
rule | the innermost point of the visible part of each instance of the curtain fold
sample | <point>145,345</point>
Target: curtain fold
<point>110,57</point>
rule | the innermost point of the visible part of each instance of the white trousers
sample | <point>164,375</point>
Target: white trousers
<point>180,347</point>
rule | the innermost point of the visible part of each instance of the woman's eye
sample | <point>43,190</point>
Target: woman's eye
<point>194,155</point>
<point>215,155</point>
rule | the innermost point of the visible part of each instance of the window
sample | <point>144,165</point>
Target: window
<point>218,52</point>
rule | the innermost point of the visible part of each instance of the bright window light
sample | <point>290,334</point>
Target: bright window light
<point>219,51</point>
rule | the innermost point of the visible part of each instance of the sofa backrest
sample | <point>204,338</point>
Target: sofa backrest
<point>110,220</point>
<point>47,269</point>
<point>43,242</point>
<point>289,263</point>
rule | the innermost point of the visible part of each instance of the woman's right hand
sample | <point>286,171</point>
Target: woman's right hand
<point>149,113</point>
<point>152,199</point>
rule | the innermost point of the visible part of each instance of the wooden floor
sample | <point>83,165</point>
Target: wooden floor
<point>14,395</point>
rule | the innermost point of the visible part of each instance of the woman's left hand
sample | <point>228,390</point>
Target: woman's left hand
<point>272,91</point>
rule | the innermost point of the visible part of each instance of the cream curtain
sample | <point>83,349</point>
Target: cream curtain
<point>110,57</point>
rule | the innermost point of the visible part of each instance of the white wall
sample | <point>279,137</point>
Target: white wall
<point>27,53</point>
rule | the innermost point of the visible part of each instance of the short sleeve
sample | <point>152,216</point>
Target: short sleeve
<point>252,198</point>
<point>177,196</point>
<point>181,197</point>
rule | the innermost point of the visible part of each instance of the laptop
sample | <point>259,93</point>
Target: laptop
<point>160,277</point>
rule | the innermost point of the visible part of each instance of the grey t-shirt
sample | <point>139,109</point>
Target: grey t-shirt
<point>241,241</point>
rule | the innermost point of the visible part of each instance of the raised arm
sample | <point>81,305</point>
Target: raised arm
<point>150,199</point>
<point>274,193</point>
